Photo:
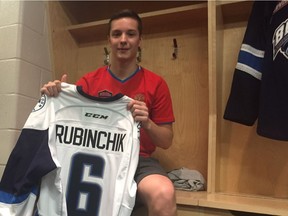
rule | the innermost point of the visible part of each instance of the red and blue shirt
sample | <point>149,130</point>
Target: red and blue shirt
<point>142,85</point>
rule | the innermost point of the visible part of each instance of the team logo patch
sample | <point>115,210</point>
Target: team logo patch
<point>139,97</point>
<point>104,94</point>
<point>41,103</point>
<point>280,40</point>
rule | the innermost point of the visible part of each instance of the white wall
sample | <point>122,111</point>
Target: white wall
<point>25,65</point>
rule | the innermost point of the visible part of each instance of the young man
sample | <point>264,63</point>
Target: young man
<point>151,106</point>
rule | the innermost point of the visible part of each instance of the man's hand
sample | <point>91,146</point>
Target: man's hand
<point>140,112</point>
<point>52,89</point>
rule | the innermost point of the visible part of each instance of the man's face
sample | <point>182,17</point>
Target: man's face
<point>124,39</point>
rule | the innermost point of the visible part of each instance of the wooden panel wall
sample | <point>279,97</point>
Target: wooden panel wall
<point>65,50</point>
<point>187,77</point>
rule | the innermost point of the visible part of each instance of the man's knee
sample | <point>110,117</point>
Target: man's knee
<point>166,191</point>
<point>164,202</point>
<point>158,194</point>
<point>156,185</point>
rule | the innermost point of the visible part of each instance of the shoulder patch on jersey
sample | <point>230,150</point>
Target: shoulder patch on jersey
<point>280,40</point>
<point>139,97</point>
<point>41,103</point>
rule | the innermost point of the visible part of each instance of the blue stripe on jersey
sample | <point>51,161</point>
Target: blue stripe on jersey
<point>9,198</point>
<point>251,60</point>
<point>126,79</point>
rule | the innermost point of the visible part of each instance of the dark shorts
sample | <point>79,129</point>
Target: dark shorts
<point>148,166</point>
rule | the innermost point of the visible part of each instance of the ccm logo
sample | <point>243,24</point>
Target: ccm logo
<point>98,116</point>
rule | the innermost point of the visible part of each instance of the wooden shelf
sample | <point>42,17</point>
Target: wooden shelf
<point>190,197</point>
<point>224,2</point>
<point>236,202</point>
<point>235,11</point>
<point>182,16</point>
<point>80,12</point>
<point>255,204</point>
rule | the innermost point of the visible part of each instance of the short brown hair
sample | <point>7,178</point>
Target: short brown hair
<point>126,13</point>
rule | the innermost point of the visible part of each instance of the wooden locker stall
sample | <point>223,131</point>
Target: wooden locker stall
<point>187,75</point>
<point>244,172</point>
<point>247,172</point>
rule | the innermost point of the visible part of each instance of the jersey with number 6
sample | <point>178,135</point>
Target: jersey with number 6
<point>76,156</point>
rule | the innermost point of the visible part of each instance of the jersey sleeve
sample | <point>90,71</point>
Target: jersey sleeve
<point>29,161</point>
<point>243,102</point>
<point>162,109</point>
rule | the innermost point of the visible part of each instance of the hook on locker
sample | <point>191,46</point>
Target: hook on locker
<point>139,55</point>
<point>175,52</point>
<point>107,57</point>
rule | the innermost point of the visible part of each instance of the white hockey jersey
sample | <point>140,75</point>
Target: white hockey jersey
<point>76,155</point>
